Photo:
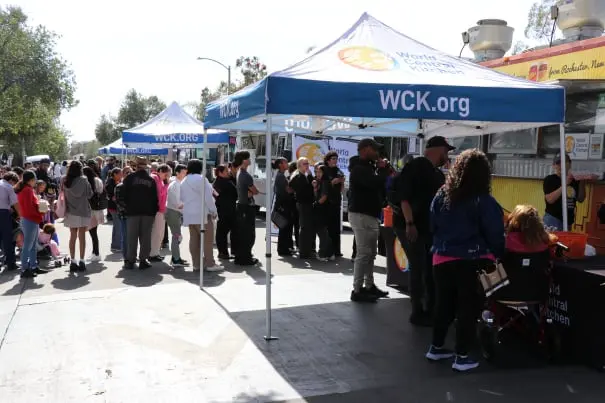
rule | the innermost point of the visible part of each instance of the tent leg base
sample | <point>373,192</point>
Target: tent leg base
<point>270,338</point>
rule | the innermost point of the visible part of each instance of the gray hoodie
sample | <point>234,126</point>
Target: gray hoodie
<point>77,197</point>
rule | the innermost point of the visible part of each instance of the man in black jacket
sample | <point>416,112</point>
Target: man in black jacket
<point>141,199</point>
<point>366,202</point>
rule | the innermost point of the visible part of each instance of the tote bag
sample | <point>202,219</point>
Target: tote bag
<point>60,206</point>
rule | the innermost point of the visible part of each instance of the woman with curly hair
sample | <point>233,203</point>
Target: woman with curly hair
<point>468,232</point>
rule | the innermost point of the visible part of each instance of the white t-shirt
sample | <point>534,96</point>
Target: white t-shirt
<point>174,195</point>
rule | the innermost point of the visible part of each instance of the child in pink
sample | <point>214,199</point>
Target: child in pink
<point>45,239</point>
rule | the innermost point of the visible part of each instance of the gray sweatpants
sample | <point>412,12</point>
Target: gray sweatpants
<point>139,230</point>
<point>175,219</point>
<point>366,229</point>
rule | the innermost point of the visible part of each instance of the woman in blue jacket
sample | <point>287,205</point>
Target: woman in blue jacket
<point>468,232</point>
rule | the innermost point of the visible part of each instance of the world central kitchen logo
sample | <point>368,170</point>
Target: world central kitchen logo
<point>372,59</point>
<point>229,109</point>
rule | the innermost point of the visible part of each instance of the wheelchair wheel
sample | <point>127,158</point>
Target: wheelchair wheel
<point>488,340</point>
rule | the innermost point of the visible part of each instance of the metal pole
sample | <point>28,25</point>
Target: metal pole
<point>563,175</point>
<point>202,216</point>
<point>228,80</point>
<point>269,207</point>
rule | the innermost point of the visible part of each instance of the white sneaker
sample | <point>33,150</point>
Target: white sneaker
<point>214,268</point>
<point>94,258</point>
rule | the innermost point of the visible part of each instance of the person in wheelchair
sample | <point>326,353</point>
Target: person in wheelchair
<point>526,258</point>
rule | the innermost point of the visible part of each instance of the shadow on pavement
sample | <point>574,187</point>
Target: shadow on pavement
<point>345,352</point>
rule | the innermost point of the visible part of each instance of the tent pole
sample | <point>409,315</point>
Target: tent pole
<point>563,176</point>
<point>202,227</point>
<point>269,207</point>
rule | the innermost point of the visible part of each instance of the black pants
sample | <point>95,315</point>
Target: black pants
<point>246,227</point>
<point>226,227</point>
<point>333,226</point>
<point>457,298</point>
<point>422,286</point>
<point>306,241</point>
<point>284,239</point>
<point>95,240</point>
<point>295,224</point>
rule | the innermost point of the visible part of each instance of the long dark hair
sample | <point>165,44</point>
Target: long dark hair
<point>90,175</point>
<point>469,177</point>
<point>27,176</point>
<point>74,170</point>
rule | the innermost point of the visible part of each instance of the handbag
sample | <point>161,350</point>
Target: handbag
<point>60,206</point>
<point>492,278</point>
<point>279,218</point>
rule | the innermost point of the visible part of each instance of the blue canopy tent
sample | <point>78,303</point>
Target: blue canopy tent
<point>384,80</point>
<point>173,126</point>
<point>118,148</point>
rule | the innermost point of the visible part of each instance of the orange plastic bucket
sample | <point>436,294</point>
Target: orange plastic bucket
<point>576,242</point>
<point>387,214</point>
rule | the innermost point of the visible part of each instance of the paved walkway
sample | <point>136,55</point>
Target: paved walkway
<point>120,336</point>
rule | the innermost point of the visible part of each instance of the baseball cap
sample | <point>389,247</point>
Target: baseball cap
<point>368,143</point>
<point>557,159</point>
<point>439,141</point>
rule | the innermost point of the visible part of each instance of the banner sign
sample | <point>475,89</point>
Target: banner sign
<point>314,150</point>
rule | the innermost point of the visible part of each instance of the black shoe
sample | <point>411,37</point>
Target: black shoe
<point>81,266</point>
<point>178,263</point>
<point>128,265</point>
<point>363,296</point>
<point>250,262</point>
<point>285,253</point>
<point>224,256</point>
<point>73,267</point>
<point>157,258</point>
<point>338,254</point>
<point>38,270</point>
<point>11,267</point>
<point>165,245</point>
<point>144,264</point>
<point>376,291</point>
<point>28,274</point>
<point>421,319</point>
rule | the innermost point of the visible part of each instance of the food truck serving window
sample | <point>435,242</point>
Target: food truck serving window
<point>514,142</point>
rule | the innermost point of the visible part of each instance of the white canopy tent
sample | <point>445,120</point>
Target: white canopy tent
<point>381,78</point>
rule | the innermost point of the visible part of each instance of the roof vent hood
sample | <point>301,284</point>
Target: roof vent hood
<point>490,39</point>
<point>581,19</point>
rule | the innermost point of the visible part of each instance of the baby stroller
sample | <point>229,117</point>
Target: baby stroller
<point>522,306</point>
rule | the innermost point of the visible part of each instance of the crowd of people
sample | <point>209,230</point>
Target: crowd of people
<point>448,224</point>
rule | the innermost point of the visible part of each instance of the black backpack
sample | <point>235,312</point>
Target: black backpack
<point>99,201</point>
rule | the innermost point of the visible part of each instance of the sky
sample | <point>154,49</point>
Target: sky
<point>152,46</point>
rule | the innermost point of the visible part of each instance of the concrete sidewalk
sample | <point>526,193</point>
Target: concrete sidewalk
<point>111,335</point>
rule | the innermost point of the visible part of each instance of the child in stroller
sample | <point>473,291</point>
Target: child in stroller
<point>523,304</point>
<point>48,248</point>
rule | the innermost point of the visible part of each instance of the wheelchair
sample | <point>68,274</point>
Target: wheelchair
<point>521,308</point>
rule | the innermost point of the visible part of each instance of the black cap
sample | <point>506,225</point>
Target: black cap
<point>439,141</point>
<point>369,143</point>
<point>557,159</point>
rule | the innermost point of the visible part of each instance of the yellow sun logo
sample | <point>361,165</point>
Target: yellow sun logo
<point>367,58</point>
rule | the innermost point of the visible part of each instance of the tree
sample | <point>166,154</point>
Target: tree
<point>251,70</point>
<point>53,142</point>
<point>36,84</point>
<point>106,131</point>
<point>519,47</point>
<point>539,25</point>
<point>137,109</point>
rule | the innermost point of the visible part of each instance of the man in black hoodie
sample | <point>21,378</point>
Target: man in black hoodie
<point>141,199</point>
<point>367,184</point>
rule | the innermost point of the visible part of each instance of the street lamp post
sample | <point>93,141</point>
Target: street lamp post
<point>228,68</point>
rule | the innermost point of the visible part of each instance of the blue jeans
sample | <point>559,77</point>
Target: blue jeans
<point>30,242</point>
<point>123,233</point>
<point>553,222</point>
<point>116,231</point>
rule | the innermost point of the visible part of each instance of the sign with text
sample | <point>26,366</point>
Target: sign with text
<point>596,147</point>
<point>315,149</point>
<point>577,145</point>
